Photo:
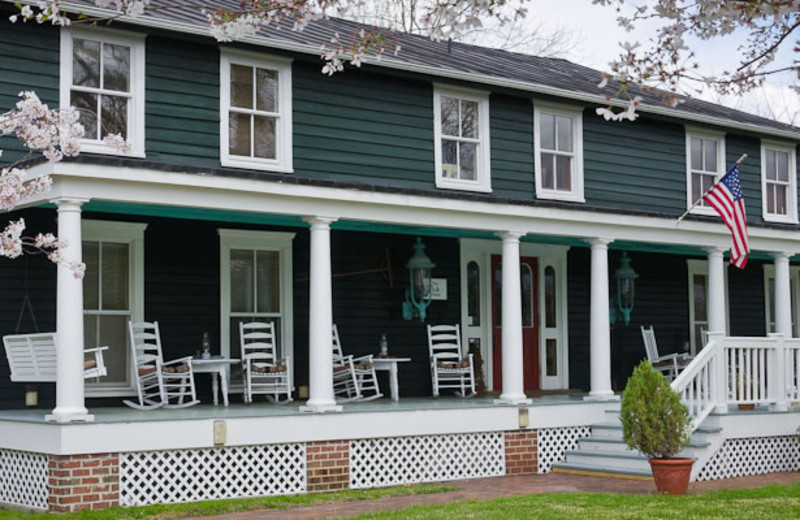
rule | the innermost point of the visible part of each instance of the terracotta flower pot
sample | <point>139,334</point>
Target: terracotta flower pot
<point>747,406</point>
<point>671,475</point>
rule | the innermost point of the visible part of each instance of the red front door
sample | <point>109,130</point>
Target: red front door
<point>530,325</point>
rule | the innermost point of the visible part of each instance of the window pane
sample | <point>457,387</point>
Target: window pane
<point>709,155</point>
<point>771,296</point>
<point>467,153</point>
<point>696,153</point>
<point>780,200</point>
<point>473,294</point>
<point>564,134</point>
<point>449,159</point>
<point>548,171</point>
<point>771,190</point>
<point>111,332</point>
<point>449,116</point>
<point>551,357</point>
<point>114,118</point>
<point>526,283</point>
<point>547,122</point>
<point>549,297</point>
<point>116,67</point>
<point>469,119</point>
<point>91,278</point>
<point>87,107</point>
<point>85,63</point>
<point>239,134</point>
<point>783,166</point>
<point>269,281</point>
<point>241,86</point>
<point>264,128</point>
<point>115,276</point>
<point>267,90</point>
<point>563,173</point>
<point>242,278</point>
<point>699,294</point>
<point>771,170</point>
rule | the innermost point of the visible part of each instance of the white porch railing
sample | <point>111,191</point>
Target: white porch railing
<point>741,370</point>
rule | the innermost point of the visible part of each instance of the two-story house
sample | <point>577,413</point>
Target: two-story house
<point>258,189</point>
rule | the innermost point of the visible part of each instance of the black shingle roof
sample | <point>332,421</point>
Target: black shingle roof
<point>555,76</point>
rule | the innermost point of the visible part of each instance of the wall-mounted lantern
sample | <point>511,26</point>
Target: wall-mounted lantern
<point>418,293</point>
<point>626,289</point>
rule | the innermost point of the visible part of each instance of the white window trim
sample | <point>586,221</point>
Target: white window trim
<point>721,166</point>
<point>136,115</point>
<point>283,130</point>
<point>483,164</point>
<point>131,233</point>
<point>695,266</point>
<point>791,196</point>
<point>794,287</point>
<point>265,241</point>
<point>577,192</point>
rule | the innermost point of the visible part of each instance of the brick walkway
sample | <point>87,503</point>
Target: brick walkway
<point>489,488</point>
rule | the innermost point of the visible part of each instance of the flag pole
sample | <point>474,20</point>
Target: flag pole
<point>739,161</point>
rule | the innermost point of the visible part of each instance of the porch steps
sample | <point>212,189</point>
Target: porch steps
<point>604,452</point>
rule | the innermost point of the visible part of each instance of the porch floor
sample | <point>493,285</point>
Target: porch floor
<point>261,408</point>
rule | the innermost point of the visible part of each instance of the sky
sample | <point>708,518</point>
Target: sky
<point>597,43</point>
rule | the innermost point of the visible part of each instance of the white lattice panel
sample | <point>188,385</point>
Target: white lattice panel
<point>753,456</point>
<point>552,443</point>
<point>431,458</point>
<point>23,479</point>
<point>154,477</point>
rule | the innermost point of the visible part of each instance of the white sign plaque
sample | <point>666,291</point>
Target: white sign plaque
<point>438,288</point>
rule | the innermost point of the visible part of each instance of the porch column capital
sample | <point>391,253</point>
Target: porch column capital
<point>780,256</point>
<point>714,251</point>
<point>70,400</point>
<point>510,236</point>
<point>598,242</point>
<point>599,330</point>
<point>320,222</point>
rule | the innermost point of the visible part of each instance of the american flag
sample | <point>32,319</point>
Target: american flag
<point>726,198</point>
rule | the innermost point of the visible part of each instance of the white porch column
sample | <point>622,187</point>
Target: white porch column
<point>70,402</point>
<point>716,291</point>
<point>513,382</point>
<point>320,320</point>
<point>599,329</point>
<point>783,295</point>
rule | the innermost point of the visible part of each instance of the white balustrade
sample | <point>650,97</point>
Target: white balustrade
<point>740,370</point>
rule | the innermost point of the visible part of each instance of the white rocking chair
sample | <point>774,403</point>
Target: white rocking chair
<point>449,369</point>
<point>32,358</point>
<point>262,372</point>
<point>669,365</point>
<point>354,379</point>
<point>158,383</point>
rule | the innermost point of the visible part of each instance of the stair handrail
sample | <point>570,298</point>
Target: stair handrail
<point>698,384</point>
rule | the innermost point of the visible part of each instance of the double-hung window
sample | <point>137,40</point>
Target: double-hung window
<point>705,164</point>
<point>558,147</point>
<point>778,182</point>
<point>461,129</point>
<point>255,111</point>
<point>102,75</point>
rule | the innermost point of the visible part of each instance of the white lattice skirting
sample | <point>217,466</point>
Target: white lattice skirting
<point>753,456</point>
<point>553,443</point>
<point>431,458</point>
<point>23,479</point>
<point>154,477</point>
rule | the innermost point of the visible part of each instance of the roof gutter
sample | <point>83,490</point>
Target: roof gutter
<point>428,70</point>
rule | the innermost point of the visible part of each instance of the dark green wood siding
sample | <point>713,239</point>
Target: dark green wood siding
<point>512,147</point>
<point>749,171</point>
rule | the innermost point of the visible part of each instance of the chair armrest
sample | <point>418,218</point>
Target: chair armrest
<point>185,360</point>
<point>96,349</point>
<point>362,359</point>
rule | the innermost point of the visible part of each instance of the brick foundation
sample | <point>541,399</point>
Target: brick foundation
<point>83,482</point>
<point>327,466</point>
<point>521,452</point>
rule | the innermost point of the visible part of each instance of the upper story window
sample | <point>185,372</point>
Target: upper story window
<point>102,75</point>
<point>778,182</point>
<point>461,129</point>
<point>255,111</point>
<point>705,164</point>
<point>559,153</point>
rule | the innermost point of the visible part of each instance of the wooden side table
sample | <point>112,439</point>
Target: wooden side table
<point>217,366</point>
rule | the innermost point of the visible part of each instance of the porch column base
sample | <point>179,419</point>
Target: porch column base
<point>601,396</point>
<point>513,399</point>
<point>782,406</point>
<point>320,408</point>
<point>721,408</point>
<point>65,416</point>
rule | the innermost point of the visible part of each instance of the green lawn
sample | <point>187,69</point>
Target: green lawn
<point>218,507</point>
<point>772,502</point>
